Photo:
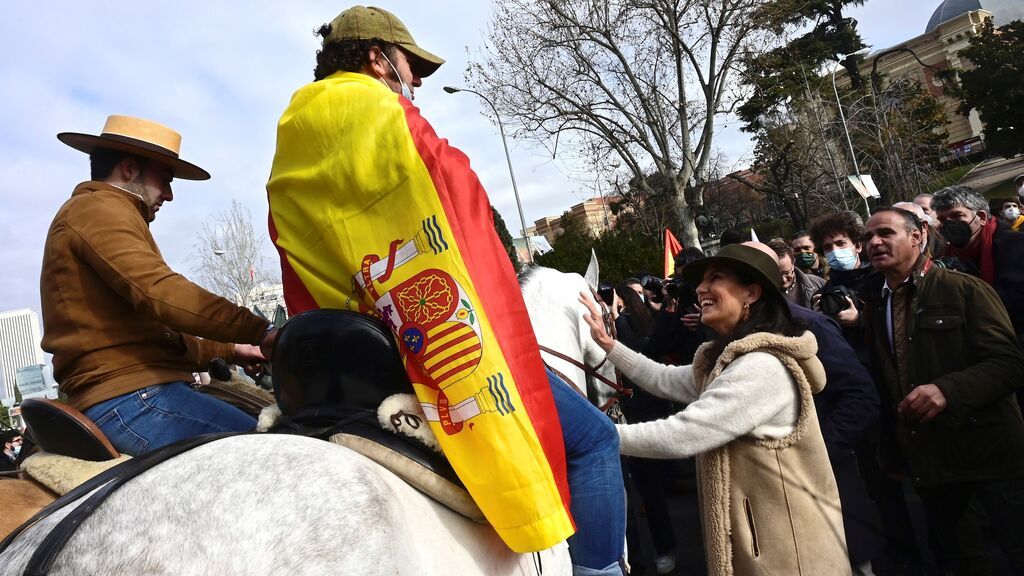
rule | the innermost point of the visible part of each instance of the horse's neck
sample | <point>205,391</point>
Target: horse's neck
<point>558,331</point>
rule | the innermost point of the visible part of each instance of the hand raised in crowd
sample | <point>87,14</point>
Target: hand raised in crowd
<point>691,320</point>
<point>923,403</point>
<point>849,316</point>
<point>595,320</point>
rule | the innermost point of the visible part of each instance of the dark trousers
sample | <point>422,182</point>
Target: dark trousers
<point>961,536</point>
<point>647,476</point>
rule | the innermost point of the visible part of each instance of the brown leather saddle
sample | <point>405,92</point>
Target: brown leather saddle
<point>60,429</point>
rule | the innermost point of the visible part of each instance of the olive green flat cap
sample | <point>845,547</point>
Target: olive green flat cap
<point>368,22</point>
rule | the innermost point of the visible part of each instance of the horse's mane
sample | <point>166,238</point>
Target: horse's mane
<point>527,276</point>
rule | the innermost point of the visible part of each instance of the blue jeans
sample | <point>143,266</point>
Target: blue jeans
<point>156,416</point>
<point>598,502</point>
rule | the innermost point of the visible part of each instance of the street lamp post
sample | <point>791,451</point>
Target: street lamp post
<point>508,158</point>
<point>853,155</point>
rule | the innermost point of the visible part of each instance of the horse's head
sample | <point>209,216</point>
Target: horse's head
<point>557,316</point>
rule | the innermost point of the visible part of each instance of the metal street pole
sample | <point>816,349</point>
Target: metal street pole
<point>853,155</point>
<point>508,158</point>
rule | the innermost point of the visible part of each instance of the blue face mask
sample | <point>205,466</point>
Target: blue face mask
<point>842,259</point>
<point>405,89</point>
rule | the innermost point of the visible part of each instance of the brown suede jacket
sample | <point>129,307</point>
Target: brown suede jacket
<point>115,317</point>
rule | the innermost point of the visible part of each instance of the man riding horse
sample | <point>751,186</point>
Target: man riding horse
<point>127,332</point>
<point>371,211</point>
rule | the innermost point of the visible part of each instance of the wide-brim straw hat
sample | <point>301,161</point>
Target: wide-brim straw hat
<point>752,262</point>
<point>369,22</point>
<point>140,137</point>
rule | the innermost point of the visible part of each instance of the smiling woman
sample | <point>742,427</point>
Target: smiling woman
<point>749,420</point>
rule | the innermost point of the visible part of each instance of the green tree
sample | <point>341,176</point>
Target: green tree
<point>900,134</point>
<point>781,73</point>
<point>5,417</point>
<point>506,239</point>
<point>621,253</point>
<point>571,249</point>
<point>624,253</point>
<point>994,87</point>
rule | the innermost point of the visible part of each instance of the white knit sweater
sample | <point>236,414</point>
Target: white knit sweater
<point>754,396</point>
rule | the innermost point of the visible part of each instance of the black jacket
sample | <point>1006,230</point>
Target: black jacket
<point>1008,251</point>
<point>846,408</point>
<point>961,340</point>
<point>853,280</point>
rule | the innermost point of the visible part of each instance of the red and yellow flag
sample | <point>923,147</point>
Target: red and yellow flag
<point>371,211</point>
<point>672,248</point>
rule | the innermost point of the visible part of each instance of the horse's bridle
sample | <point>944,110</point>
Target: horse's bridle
<point>620,390</point>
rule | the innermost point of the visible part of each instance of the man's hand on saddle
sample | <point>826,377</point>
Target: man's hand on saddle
<point>595,320</point>
<point>250,358</point>
<point>267,345</point>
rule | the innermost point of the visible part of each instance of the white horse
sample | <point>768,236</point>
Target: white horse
<point>275,504</point>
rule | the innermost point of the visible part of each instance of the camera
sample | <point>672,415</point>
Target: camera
<point>676,289</point>
<point>957,264</point>
<point>653,285</point>
<point>607,293</point>
<point>833,299</point>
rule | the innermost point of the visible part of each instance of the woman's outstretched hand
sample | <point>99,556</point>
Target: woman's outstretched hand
<point>595,320</point>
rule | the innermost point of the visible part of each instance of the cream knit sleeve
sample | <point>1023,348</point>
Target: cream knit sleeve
<point>754,396</point>
<point>670,382</point>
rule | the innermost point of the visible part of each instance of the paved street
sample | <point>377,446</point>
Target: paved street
<point>994,171</point>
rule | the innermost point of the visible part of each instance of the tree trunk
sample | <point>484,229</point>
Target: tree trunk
<point>688,235</point>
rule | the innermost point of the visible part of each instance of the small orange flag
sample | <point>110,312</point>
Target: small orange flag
<point>672,248</point>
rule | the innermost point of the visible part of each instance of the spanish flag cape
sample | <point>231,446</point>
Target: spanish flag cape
<point>371,211</point>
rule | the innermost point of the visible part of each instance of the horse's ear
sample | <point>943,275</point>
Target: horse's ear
<point>593,275</point>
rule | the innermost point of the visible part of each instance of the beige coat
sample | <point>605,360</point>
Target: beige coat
<point>771,506</point>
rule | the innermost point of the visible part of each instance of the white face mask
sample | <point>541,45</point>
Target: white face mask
<point>1012,213</point>
<point>17,449</point>
<point>405,89</point>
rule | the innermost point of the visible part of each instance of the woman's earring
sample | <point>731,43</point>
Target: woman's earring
<point>746,311</point>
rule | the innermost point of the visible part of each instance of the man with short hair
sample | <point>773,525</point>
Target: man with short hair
<point>804,255</point>
<point>372,212</point>
<point>947,363</point>
<point>12,441</point>
<point>127,332</point>
<point>935,244</point>
<point>798,287</point>
<point>925,202</point>
<point>986,242</point>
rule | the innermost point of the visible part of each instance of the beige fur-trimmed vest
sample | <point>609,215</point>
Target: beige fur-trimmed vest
<point>771,506</point>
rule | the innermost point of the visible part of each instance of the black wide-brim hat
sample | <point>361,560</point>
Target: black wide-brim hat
<point>139,137</point>
<point>752,262</point>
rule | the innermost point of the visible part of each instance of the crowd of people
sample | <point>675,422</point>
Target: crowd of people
<point>813,379</point>
<point>916,314</point>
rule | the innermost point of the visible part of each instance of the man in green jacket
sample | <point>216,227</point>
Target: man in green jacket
<point>946,360</point>
<point>121,325</point>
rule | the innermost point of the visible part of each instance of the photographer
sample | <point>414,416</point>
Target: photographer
<point>838,237</point>
<point>677,329</point>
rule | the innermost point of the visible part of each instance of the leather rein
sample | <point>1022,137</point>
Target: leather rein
<point>620,390</point>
